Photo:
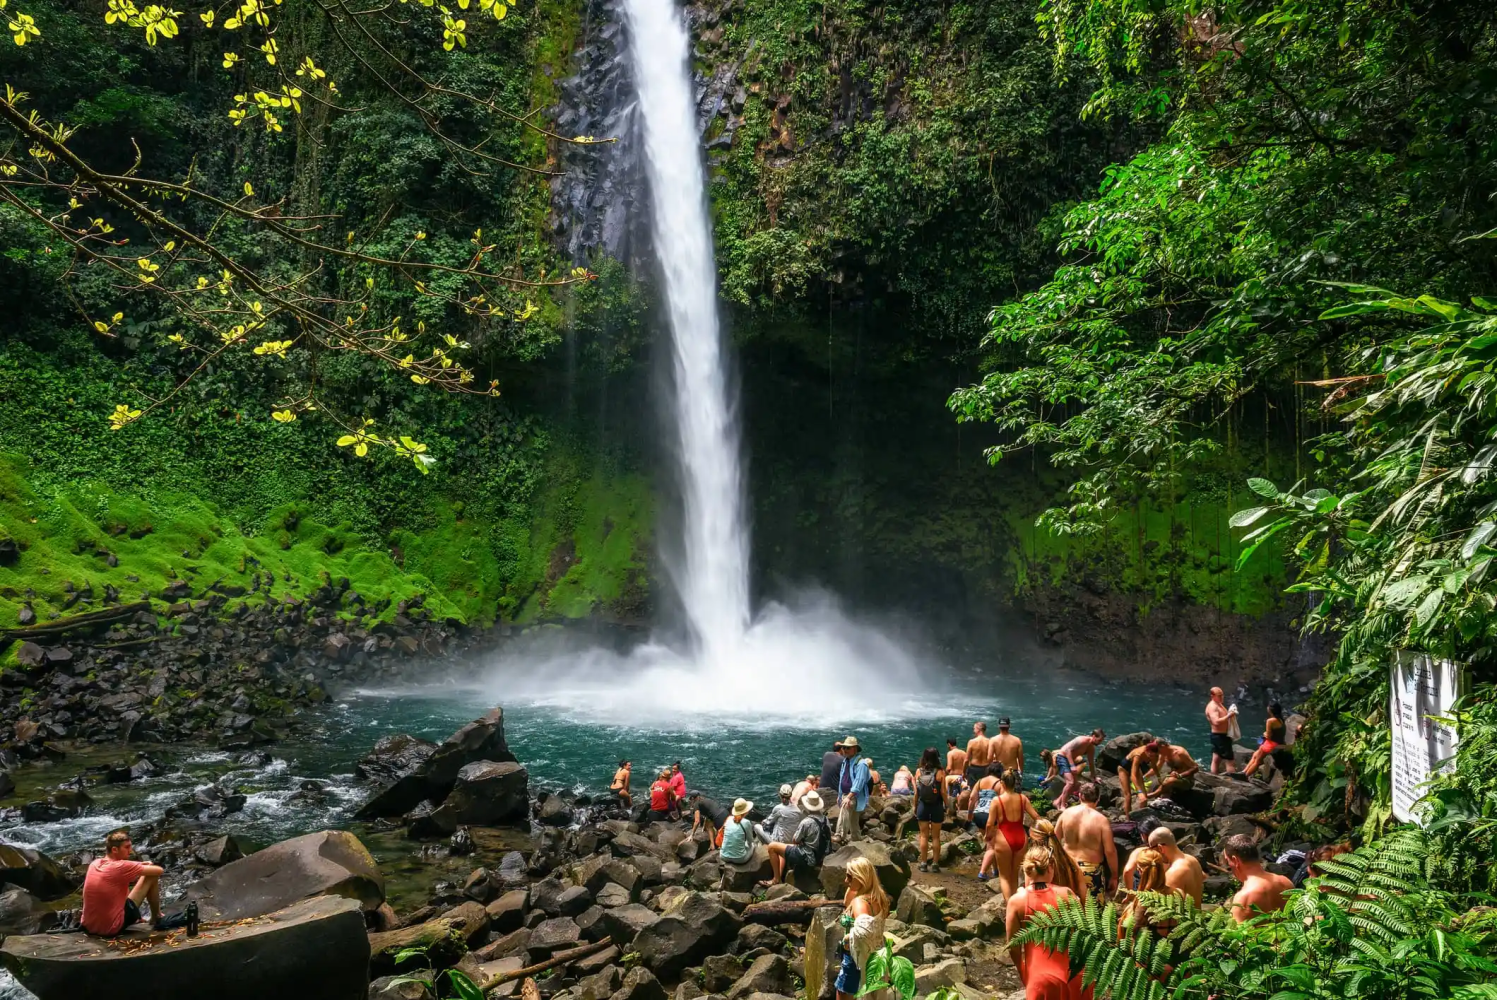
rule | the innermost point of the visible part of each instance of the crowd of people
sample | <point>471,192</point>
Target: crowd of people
<point>1037,860</point>
<point>981,786</point>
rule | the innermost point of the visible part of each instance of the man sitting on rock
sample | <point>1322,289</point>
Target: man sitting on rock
<point>1262,891</point>
<point>1182,769</point>
<point>808,845</point>
<point>1086,834</point>
<point>110,902</point>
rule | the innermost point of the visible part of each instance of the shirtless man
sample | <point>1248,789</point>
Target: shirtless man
<point>979,753</point>
<point>1182,765</point>
<point>1008,750</point>
<point>1262,891</point>
<point>1133,775</point>
<point>1222,756</point>
<point>1068,762</point>
<point>1086,834</point>
<point>1184,875</point>
<point>956,759</point>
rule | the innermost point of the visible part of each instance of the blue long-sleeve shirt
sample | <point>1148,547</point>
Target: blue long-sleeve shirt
<point>859,781</point>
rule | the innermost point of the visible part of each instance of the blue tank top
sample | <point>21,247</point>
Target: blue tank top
<point>985,798</point>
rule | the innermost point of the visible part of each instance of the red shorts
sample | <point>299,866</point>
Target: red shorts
<point>1268,746</point>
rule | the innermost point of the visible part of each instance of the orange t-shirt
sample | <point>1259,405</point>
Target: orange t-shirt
<point>105,889</point>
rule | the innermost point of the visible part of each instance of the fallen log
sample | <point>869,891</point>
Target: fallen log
<point>59,627</point>
<point>794,911</point>
<point>560,958</point>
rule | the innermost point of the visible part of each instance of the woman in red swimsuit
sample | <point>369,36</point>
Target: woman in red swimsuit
<point>1046,974</point>
<point>1006,835</point>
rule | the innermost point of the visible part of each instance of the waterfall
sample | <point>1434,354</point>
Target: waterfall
<point>711,570</point>
<point>807,665</point>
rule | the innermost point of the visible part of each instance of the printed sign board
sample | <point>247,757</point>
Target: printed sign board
<point>1422,688</point>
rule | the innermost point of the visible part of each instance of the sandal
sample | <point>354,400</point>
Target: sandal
<point>983,878</point>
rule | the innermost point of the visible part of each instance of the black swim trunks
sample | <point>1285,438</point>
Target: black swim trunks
<point>799,858</point>
<point>930,812</point>
<point>1221,745</point>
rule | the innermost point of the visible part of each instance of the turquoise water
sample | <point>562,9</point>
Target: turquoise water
<point>578,749</point>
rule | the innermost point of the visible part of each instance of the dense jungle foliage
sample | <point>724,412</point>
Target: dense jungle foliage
<point>1307,243</point>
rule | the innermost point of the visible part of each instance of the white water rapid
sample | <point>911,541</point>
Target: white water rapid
<point>712,580</point>
<point>809,665</point>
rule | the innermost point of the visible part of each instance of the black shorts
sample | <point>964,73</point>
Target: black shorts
<point>976,774</point>
<point>657,815</point>
<point>980,820</point>
<point>1221,745</point>
<point>930,812</point>
<point>797,857</point>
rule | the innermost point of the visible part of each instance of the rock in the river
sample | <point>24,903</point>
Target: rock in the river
<point>1112,754</point>
<point>329,863</point>
<point>314,949</point>
<point>393,757</point>
<point>35,872</point>
<point>219,851</point>
<point>487,793</point>
<point>23,913</point>
<point>555,812</point>
<point>434,774</point>
<point>892,869</point>
<point>697,926</point>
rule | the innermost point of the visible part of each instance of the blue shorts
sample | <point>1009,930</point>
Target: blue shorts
<point>848,977</point>
<point>1062,764</point>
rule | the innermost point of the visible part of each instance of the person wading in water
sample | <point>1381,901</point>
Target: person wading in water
<point>930,808</point>
<point>1086,835</point>
<point>1046,974</point>
<point>979,754</point>
<point>1009,839</point>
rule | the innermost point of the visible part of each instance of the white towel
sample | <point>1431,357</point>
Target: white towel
<point>1234,729</point>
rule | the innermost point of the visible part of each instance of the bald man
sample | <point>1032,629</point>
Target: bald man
<point>1184,874</point>
<point>1220,717</point>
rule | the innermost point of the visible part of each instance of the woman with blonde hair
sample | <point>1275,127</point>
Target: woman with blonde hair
<point>1046,974</point>
<point>867,908</point>
<point>1152,869</point>
<point>1066,873</point>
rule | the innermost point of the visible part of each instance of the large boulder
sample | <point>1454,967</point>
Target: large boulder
<point>553,935</point>
<point>920,904</point>
<point>394,757</point>
<point>1238,796</point>
<point>315,949</point>
<point>434,774</point>
<point>638,984</point>
<point>624,923</point>
<point>695,926</point>
<point>329,863</point>
<point>23,913</point>
<point>1112,754</point>
<point>745,876</point>
<point>945,973</point>
<point>487,793</point>
<point>35,872</point>
<point>767,974</point>
<point>893,870</point>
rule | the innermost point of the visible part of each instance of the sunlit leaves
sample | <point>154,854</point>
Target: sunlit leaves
<point>121,416</point>
<point>277,348</point>
<point>22,27</point>
<point>155,20</point>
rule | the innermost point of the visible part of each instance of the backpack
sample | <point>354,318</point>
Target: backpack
<point>824,843</point>
<point>927,790</point>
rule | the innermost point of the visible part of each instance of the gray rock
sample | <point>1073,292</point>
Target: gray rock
<point>946,973</point>
<point>624,923</point>
<point>545,896</point>
<point>919,904</point>
<point>600,985</point>
<point>329,863</point>
<point>719,972</point>
<point>695,927</point>
<point>551,936</point>
<point>435,773</point>
<point>507,913</point>
<point>756,936</point>
<point>219,851</point>
<point>35,872</point>
<point>486,793</point>
<point>555,812</point>
<point>612,895</point>
<point>388,988</point>
<point>639,984</point>
<point>23,913</point>
<point>767,974</point>
<point>591,923</point>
